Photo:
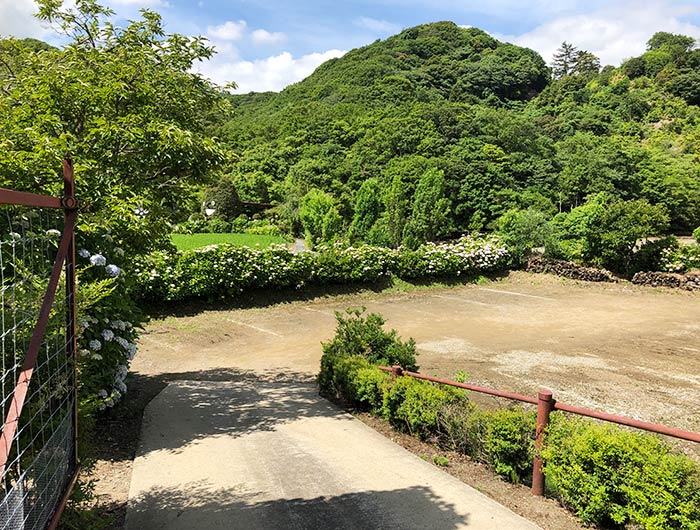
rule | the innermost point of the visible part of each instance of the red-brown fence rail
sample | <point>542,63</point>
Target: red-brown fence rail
<point>545,404</point>
<point>38,379</point>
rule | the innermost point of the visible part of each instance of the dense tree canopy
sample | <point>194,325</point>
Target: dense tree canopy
<point>503,131</point>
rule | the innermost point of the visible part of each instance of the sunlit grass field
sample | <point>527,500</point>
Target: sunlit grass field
<point>191,241</point>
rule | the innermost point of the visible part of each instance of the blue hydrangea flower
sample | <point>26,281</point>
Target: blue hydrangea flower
<point>113,270</point>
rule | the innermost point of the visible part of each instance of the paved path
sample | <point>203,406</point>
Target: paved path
<point>255,454</point>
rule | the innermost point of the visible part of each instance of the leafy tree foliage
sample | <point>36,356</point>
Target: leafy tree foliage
<point>523,230</point>
<point>429,215</point>
<point>439,97</point>
<point>368,208</point>
<point>663,39</point>
<point>437,115</point>
<point>564,60</point>
<point>124,102</point>
<point>568,60</point>
<point>320,217</point>
<point>605,230</point>
<point>224,200</point>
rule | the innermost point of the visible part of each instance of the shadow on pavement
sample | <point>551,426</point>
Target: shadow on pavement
<point>117,431</point>
<point>197,506</point>
<point>187,411</point>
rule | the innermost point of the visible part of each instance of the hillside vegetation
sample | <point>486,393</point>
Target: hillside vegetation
<point>441,130</point>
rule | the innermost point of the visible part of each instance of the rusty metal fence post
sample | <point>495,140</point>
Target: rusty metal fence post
<point>544,407</point>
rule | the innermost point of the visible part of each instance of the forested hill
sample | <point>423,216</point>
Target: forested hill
<point>426,63</point>
<point>441,129</point>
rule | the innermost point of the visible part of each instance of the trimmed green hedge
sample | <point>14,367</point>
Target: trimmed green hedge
<point>603,473</point>
<point>615,477</point>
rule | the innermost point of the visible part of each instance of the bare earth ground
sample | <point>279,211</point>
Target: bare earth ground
<point>614,347</point>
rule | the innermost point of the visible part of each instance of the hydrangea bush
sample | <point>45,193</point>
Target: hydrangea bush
<point>464,257</point>
<point>680,258</point>
<point>108,319</point>
<point>108,322</point>
<point>338,264</point>
<point>223,271</point>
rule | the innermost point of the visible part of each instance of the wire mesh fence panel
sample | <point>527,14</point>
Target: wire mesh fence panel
<point>42,458</point>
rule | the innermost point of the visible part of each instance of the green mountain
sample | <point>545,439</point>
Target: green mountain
<point>476,127</point>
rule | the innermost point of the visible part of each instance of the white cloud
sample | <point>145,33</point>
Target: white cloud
<point>228,30</point>
<point>272,73</point>
<point>379,26</point>
<point>612,33</point>
<point>17,19</point>
<point>261,36</point>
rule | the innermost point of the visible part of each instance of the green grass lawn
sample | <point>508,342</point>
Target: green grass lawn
<point>190,241</point>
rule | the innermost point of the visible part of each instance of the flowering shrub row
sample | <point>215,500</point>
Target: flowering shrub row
<point>222,271</point>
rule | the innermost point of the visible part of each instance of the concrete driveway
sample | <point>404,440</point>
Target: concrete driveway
<point>261,454</point>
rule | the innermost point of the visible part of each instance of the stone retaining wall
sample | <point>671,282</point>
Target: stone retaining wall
<point>569,270</point>
<point>689,281</point>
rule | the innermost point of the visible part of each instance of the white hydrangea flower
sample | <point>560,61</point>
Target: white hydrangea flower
<point>52,232</point>
<point>84,253</point>
<point>96,357</point>
<point>98,260</point>
<point>95,345</point>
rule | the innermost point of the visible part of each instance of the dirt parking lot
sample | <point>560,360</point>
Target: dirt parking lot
<point>619,348</point>
<point>614,347</point>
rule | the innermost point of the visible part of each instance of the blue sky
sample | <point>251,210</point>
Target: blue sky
<point>268,44</point>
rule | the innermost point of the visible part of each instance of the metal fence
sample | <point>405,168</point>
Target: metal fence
<point>545,404</point>
<point>38,382</point>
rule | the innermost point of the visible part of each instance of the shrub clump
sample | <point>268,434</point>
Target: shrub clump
<point>617,478</point>
<point>361,343</point>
